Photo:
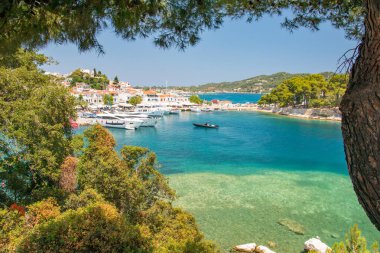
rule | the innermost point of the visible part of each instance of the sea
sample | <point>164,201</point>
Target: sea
<point>259,178</point>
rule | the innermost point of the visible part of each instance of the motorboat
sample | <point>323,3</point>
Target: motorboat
<point>207,109</point>
<point>175,111</point>
<point>195,109</point>
<point>206,125</point>
<point>151,110</point>
<point>112,121</point>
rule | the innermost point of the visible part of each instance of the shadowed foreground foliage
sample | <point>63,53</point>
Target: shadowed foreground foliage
<point>65,193</point>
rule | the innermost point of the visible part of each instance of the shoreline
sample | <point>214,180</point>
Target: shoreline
<point>301,116</point>
<point>326,114</point>
<point>306,114</point>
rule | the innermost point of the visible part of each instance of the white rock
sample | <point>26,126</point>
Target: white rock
<point>316,244</point>
<point>263,249</point>
<point>249,247</point>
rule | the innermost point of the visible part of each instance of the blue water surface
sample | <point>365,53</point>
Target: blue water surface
<point>257,169</point>
<point>245,143</point>
<point>236,98</point>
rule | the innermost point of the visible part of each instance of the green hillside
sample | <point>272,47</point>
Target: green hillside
<point>257,84</point>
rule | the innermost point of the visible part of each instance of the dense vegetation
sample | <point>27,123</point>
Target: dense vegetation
<point>59,195</point>
<point>108,99</point>
<point>195,99</point>
<point>257,84</point>
<point>308,91</point>
<point>135,100</point>
<point>96,80</point>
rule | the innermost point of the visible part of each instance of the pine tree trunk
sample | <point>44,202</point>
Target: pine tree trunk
<point>361,117</point>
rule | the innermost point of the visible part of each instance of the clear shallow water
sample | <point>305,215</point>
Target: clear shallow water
<point>254,171</point>
<point>233,97</point>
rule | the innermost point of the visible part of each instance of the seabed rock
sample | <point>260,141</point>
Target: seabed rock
<point>253,248</point>
<point>317,245</point>
<point>249,247</point>
<point>293,226</point>
<point>263,249</point>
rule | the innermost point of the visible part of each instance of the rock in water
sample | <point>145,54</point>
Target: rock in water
<point>263,249</point>
<point>293,226</point>
<point>317,245</point>
<point>249,247</point>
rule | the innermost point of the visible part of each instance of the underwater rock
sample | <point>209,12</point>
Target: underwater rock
<point>249,247</point>
<point>316,245</point>
<point>263,249</point>
<point>293,226</point>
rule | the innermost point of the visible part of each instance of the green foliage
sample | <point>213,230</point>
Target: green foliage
<point>135,100</point>
<point>67,195</point>
<point>307,91</point>
<point>132,189</point>
<point>85,198</point>
<point>195,99</point>
<point>96,81</point>
<point>94,228</point>
<point>172,23</point>
<point>35,129</point>
<point>116,80</point>
<point>11,227</point>
<point>174,231</point>
<point>256,84</point>
<point>81,102</point>
<point>42,211</point>
<point>355,243</point>
<point>108,99</point>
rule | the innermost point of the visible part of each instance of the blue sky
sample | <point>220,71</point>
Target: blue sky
<point>236,51</point>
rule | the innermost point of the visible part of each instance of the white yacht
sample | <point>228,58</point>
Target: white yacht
<point>175,111</point>
<point>152,110</point>
<point>110,120</point>
<point>147,121</point>
<point>195,109</point>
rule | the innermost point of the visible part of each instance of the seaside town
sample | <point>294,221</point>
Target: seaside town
<point>117,104</point>
<point>114,103</point>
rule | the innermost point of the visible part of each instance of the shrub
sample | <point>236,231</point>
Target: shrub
<point>355,243</point>
<point>95,228</point>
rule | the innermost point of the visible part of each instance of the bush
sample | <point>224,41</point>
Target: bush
<point>355,243</point>
<point>95,228</point>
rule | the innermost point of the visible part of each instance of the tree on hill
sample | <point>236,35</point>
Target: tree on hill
<point>135,100</point>
<point>98,81</point>
<point>33,24</point>
<point>116,80</point>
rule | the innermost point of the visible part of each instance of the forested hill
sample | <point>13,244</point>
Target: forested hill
<point>258,84</point>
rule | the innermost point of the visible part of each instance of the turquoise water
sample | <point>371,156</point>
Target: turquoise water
<point>257,169</point>
<point>233,97</point>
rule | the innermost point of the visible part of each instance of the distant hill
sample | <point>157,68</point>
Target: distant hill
<point>257,84</point>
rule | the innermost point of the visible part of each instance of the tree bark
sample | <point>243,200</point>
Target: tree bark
<point>360,109</point>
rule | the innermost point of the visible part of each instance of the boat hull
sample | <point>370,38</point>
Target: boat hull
<point>205,126</point>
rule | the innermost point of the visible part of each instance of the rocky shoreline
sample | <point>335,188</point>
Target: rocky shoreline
<point>306,113</point>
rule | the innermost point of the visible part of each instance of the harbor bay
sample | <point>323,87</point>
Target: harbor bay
<point>257,172</point>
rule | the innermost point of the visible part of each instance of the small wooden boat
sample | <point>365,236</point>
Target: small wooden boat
<point>206,125</point>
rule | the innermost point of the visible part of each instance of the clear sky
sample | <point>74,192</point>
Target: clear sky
<point>237,51</point>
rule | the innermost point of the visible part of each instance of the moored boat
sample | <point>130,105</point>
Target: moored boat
<point>195,109</point>
<point>206,125</point>
<point>175,111</point>
<point>112,121</point>
<point>147,121</point>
